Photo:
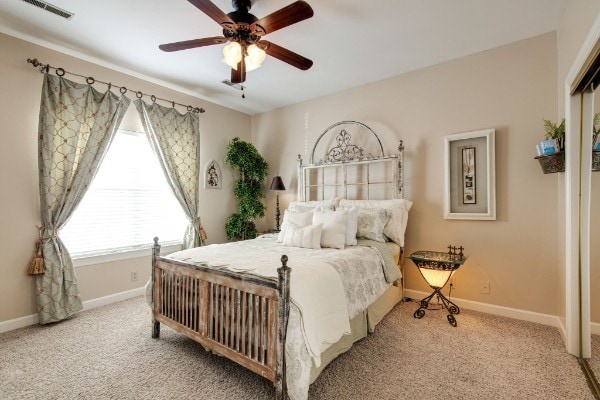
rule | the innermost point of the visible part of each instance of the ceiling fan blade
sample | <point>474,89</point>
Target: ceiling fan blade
<point>239,75</point>
<point>286,55</point>
<point>214,12</point>
<point>190,44</point>
<point>289,15</point>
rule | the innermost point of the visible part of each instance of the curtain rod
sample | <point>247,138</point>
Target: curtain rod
<point>45,68</point>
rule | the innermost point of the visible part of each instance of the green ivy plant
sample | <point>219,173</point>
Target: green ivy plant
<point>252,169</point>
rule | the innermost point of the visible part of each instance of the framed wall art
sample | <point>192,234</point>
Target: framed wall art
<point>470,175</point>
<point>212,176</point>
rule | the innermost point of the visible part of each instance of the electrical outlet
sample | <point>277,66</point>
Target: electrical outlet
<point>485,287</point>
<point>134,276</point>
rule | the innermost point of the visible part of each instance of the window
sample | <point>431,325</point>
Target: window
<point>128,203</point>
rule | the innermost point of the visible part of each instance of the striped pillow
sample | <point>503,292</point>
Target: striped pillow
<point>303,236</point>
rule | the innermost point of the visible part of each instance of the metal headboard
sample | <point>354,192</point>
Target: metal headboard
<point>345,157</point>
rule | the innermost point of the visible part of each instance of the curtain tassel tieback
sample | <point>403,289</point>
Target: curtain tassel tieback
<point>36,266</point>
<point>51,233</point>
<point>201,231</point>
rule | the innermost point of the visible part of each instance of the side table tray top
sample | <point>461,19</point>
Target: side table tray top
<point>437,269</point>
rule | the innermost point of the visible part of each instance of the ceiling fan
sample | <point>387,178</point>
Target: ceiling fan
<point>244,31</point>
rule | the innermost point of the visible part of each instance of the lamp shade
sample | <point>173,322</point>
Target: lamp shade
<point>232,54</point>
<point>436,278</point>
<point>277,184</point>
<point>255,57</point>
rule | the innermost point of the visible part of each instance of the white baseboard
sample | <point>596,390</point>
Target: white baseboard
<point>515,313</point>
<point>17,323</point>
<point>113,298</point>
<point>595,328</point>
<point>562,329</point>
<point>530,316</point>
<point>32,319</point>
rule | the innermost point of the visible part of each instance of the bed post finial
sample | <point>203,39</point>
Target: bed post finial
<point>400,145</point>
<point>155,254</point>
<point>300,175</point>
<point>284,311</point>
<point>155,249</point>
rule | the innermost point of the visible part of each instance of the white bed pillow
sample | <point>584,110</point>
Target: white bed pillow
<point>330,204</point>
<point>302,218</point>
<point>351,225</point>
<point>371,223</point>
<point>334,227</point>
<point>308,236</point>
<point>301,207</point>
<point>303,236</point>
<point>396,227</point>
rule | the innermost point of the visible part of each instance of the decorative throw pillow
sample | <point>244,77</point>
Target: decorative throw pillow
<point>307,236</point>
<point>396,227</point>
<point>371,222</point>
<point>297,217</point>
<point>351,225</point>
<point>334,227</point>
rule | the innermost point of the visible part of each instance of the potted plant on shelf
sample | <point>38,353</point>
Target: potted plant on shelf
<point>551,152</point>
<point>252,170</point>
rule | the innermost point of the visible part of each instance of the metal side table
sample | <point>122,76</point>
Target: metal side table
<point>437,269</point>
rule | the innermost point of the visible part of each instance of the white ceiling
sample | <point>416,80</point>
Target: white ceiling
<point>351,42</point>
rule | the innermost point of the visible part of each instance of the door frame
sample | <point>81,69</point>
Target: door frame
<point>579,113</point>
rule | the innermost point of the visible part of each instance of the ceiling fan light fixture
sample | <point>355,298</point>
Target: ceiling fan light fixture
<point>232,54</point>
<point>244,32</point>
<point>256,54</point>
<point>255,57</point>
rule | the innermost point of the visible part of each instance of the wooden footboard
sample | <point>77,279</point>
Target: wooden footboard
<point>239,316</point>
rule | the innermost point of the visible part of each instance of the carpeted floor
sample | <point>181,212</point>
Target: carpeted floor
<point>595,360</point>
<point>107,353</point>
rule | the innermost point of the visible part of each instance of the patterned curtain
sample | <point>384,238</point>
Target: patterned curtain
<point>175,139</point>
<point>77,125</point>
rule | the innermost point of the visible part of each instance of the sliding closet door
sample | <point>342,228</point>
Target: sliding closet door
<point>582,214</point>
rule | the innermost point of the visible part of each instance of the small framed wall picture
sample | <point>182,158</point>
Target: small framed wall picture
<point>470,175</point>
<point>212,176</point>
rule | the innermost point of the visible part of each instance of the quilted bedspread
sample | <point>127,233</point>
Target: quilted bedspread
<point>328,288</point>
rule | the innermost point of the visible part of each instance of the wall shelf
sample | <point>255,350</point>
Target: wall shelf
<point>552,163</point>
<point>556,162</point>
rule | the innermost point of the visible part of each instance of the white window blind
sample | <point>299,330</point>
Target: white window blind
<point>128,203</point>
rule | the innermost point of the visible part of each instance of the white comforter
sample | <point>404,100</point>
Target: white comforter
<point>328,288</point>
<point>315,286</point>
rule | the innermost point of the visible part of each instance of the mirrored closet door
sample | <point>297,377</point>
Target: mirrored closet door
<point>582,210</point>
<point>594,361</point>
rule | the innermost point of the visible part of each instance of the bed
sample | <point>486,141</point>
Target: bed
<point>343,240</point>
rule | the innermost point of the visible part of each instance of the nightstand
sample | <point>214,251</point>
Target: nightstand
<point>437,269</point>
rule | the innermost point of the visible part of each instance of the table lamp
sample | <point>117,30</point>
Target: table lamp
<point>277,185</point>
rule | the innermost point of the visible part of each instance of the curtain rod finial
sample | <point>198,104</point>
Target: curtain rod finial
<point>33,62</point>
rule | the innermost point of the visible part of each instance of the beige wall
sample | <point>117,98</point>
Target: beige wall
<point>578,18</point>
<point>510,89</point>
<point>19,212</point>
